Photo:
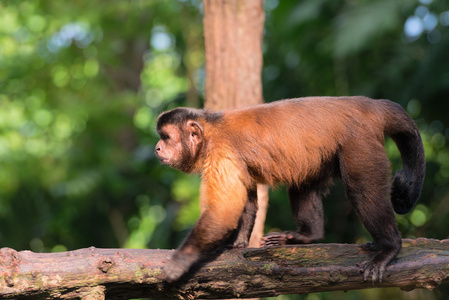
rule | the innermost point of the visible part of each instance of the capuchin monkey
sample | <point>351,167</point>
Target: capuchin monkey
<point>304,143</point>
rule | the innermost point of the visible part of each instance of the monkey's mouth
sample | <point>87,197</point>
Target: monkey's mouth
<point>164,161</point>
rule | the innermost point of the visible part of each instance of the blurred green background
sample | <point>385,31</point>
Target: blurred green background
<point>82,82</point>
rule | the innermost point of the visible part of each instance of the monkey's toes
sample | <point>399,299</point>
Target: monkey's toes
<point>376,270</point>
<point>274,239</point>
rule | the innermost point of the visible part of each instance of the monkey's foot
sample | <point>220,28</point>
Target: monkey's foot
<point>376,270</point>
<point>376,267</point>
<point>284,238</point>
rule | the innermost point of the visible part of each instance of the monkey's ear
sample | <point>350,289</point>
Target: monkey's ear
<point>195,131</point>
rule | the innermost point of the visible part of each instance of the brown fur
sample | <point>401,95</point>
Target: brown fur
<point>303,143</point>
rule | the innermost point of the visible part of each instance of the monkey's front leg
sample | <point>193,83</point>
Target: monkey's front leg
<point>222,209</point>
<point>223,197</point>
<point>246,224</point>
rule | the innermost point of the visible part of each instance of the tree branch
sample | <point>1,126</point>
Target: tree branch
<point>130,273</point>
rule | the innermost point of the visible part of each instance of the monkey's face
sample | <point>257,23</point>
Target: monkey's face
<point>178,148</point>
<point>170,148</point>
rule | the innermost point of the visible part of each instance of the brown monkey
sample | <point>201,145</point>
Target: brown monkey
<point>303,143</point>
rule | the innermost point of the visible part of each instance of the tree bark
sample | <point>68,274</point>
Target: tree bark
<point>233,33</point>
<point>129,273</point>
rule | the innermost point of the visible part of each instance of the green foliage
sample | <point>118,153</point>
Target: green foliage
<point>81,86</point>
<point>82,83</point>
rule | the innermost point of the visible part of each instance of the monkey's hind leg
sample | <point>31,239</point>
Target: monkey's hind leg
<point>366,179</point>
<point>307,210</point>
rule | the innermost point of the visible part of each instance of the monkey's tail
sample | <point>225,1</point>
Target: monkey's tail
<point>407,182</point>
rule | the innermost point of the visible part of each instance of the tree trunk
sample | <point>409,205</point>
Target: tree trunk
<point>233,32</point>
<point>133,273</point>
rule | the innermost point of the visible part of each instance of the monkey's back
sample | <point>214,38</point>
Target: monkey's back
<point>290,141</point>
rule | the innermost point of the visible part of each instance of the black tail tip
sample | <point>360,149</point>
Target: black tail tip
<point>404,192</point>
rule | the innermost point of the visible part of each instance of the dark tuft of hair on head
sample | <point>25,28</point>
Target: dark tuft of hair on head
<point>180,115</point>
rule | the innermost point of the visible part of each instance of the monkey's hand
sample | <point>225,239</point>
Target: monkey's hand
<point>178,265</point>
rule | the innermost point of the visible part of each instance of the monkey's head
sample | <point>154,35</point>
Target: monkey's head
<point>181,138</point>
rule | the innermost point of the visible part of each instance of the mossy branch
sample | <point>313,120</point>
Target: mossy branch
<point>253,272</point>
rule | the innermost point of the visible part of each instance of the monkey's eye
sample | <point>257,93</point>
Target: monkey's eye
<point>164,136</point>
